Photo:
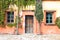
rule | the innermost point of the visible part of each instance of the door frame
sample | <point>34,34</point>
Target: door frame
<point>32,20</point>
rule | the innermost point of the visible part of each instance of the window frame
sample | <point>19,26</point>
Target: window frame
<point>53,17</point>
<point>10,17</point>
<point>48,15</point>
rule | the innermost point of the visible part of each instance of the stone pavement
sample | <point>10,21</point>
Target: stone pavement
<point>30,37</point>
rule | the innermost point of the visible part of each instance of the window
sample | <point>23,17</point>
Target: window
<point>49,17</point>
<point>10,17</point>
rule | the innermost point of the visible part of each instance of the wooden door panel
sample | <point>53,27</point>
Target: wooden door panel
<point>29,24</point>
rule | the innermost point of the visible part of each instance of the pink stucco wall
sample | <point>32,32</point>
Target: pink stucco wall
<point>49,29</point>
<point>44,28</point>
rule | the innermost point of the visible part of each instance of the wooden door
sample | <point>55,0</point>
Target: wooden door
<point>28,24</point>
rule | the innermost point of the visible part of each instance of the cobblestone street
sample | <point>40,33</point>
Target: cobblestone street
<point>30,37</point>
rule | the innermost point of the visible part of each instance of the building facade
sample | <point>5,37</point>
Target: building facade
<point>30,24</point>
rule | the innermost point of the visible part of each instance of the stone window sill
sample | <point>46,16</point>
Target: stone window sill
<point>50,24</point>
